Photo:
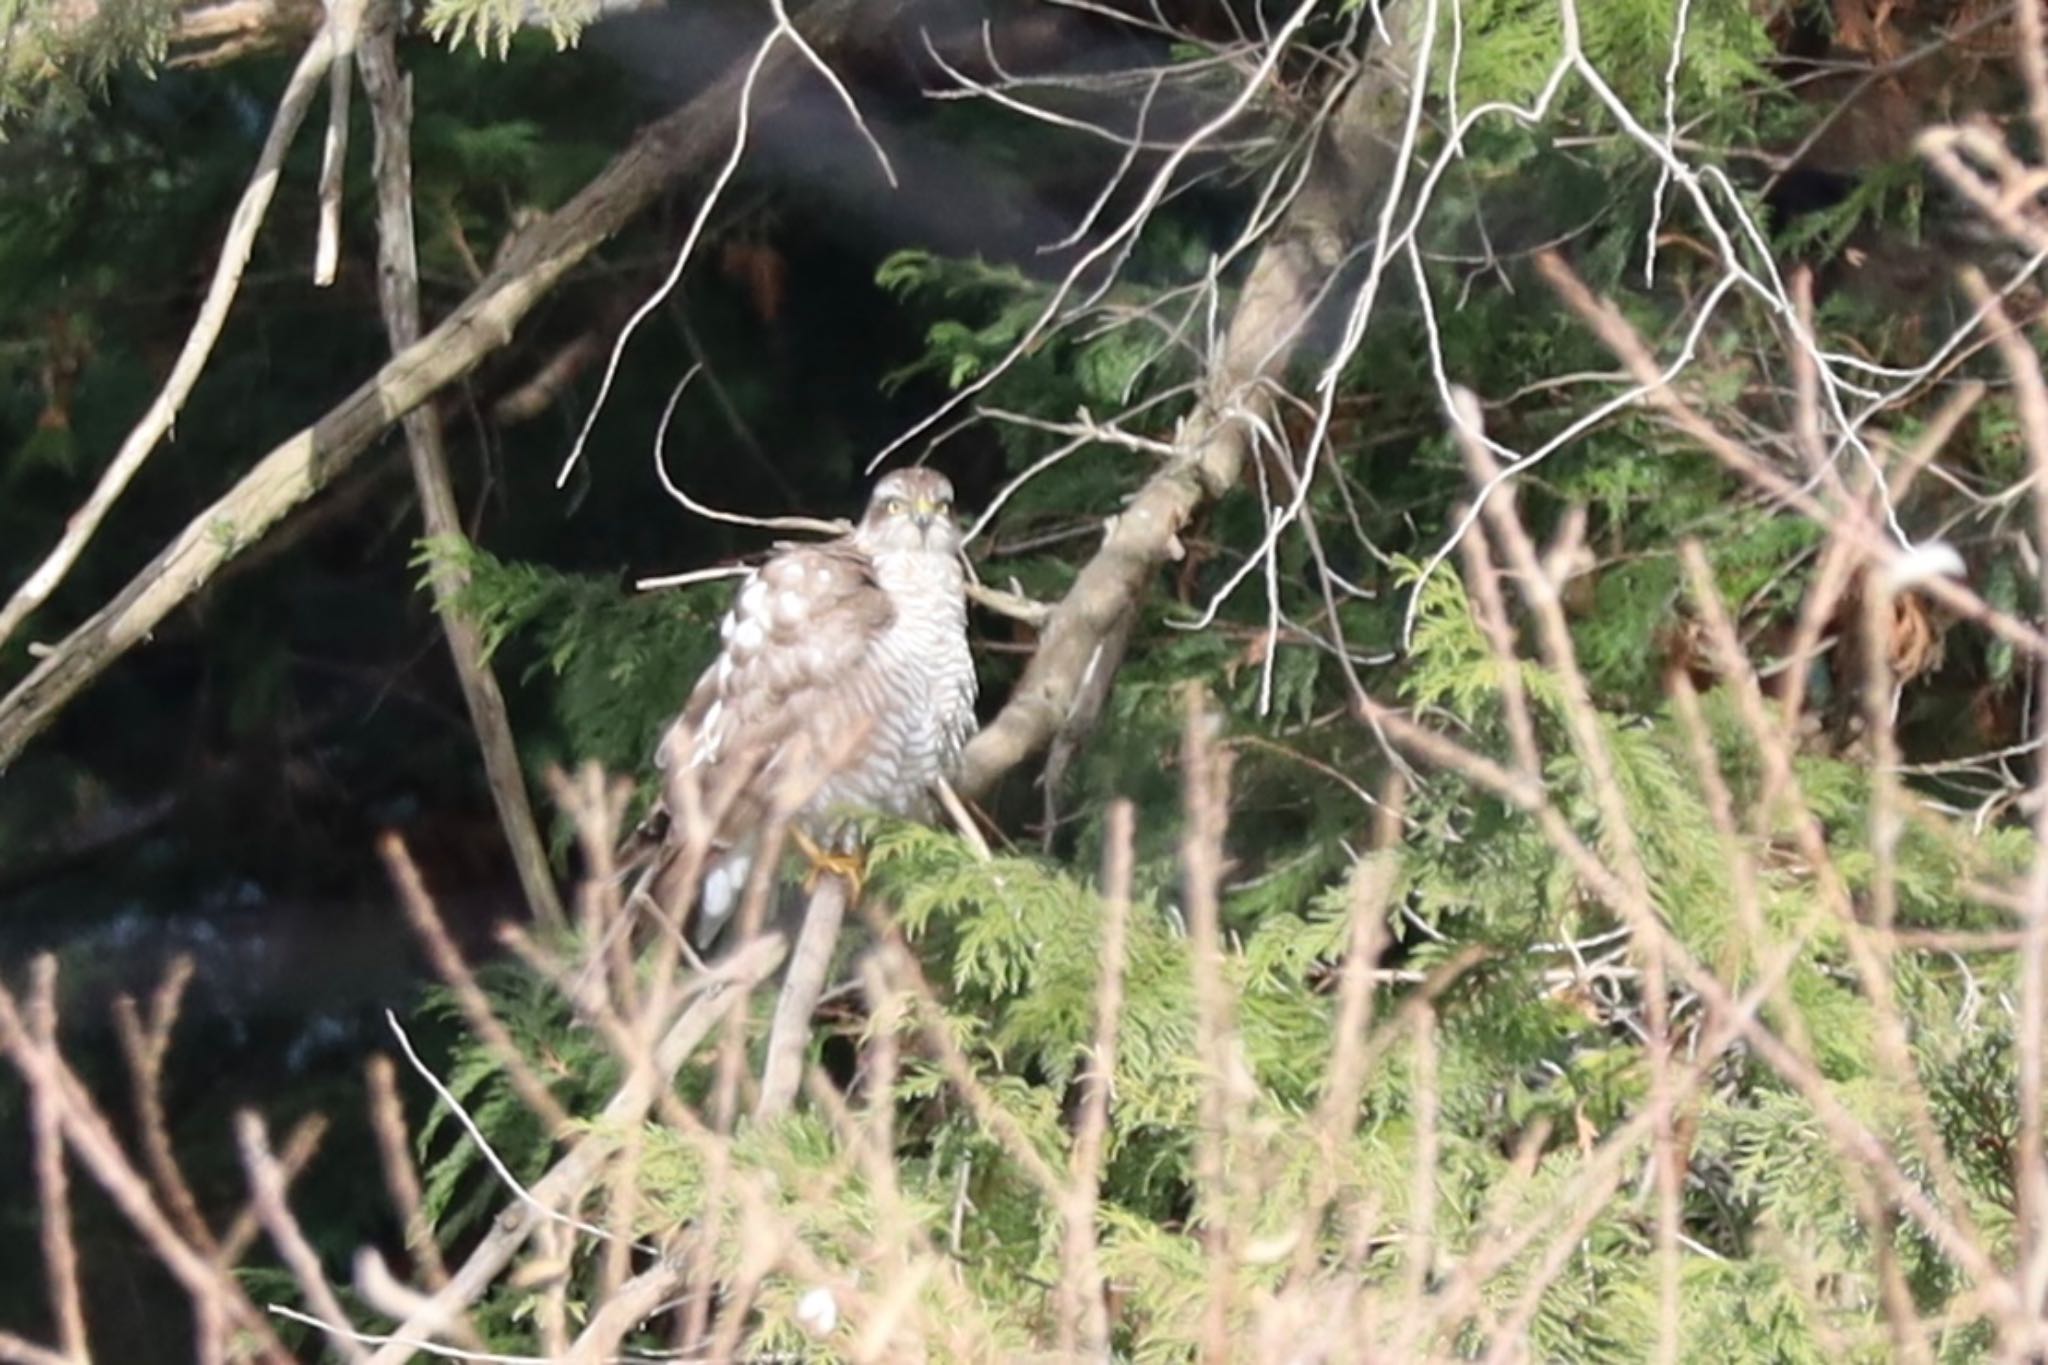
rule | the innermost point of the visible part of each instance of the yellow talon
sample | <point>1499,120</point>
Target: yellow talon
<point>850,866</point>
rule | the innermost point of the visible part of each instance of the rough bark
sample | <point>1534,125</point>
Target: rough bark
<point>682,142</point>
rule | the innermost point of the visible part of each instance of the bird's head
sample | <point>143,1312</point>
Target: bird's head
<point>911,510</point>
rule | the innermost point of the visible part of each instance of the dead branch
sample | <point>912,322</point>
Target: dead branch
<point>789,1039</point>
<point>570,1177</point>
<point>345,20</point>
<point>92,1140</point>
<point>213,315</point>
<point>673,146</point>
<point>267,1183</point>
<point>60,1249</point>
<point>1287,281</point>
<point>398,292</point>
<point>469,996</point>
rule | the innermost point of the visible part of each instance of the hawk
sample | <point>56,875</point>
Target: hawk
<point>851,653</point>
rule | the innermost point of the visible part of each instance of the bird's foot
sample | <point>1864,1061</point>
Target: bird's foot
<point>850,867</point>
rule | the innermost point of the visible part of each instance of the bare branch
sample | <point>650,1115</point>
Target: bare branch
<point>1286,281</point>
<point>678,144</point>
<point>790,1038</point>
<point>398,292</point>
<point>156,423</point>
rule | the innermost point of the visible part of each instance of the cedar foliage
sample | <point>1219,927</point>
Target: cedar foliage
<point>1013,943</point>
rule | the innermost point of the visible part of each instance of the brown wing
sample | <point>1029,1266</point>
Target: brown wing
<point>797,644</point>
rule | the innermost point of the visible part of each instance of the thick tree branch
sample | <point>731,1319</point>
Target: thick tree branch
<point>678,144</point>
<point>1083,635</point>
<point>398,287</point>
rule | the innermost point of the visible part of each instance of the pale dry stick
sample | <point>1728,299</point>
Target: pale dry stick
<point>1873,969</point>
<point>2030,393</point>
<point>626,1308</point>
<point>1584,1196</point>
<point>162,413</point>
<point>790,1033</point>
<point>1083,1317</point>
<point>597,808</point>
<point>345,20</point>
<point>1807,437</point>
<point>660,295</point>
<point>448,964</point>
<point>1848,1133</point>
<point>573,1174</point>
<point>1616,333</point>
<point>962,819</point>
<point>1428,1151</point>
<point>623,1036</point>
<point>266,1184</point>
<point>757,1196</point>
<point>401,1178</point>
<point>785,27</point>
<point>2033,63</point>
<point>301,1145</point>
<point>1482,581</point>
<point>1081,434</point>
<point>467,1122</point>
<point>683,580</point>
<point>845,96</point>
<point>898,1244</point>
<point>1520,463</point>
<point>622,1205</point>
<point>398,297</point>
<point>301,465</point>
<point>1206,770</point>
<point>1539,589</point>
<point>1391,164</point>
<point>100,1153</point>
<point>810,960</point>
<point>1372,883</point>
<point>910,1253</point>
<point>1671,70</point>
<point>19,1351</point>
<point>384,1293</point>
<point>1830,580</point>
<point>758,1257</point>
<point>997,1121</point>
<point>902,1248</point>
<point>1770,288</point>
<point>898,1302</point>
<point>691,505</point>
<point>1116,239</point>
<point>53,1194</point>
<point>1745,889</point>
<point>729,1069</point>
<point>2001,202</point>
<point>145,1048</point>
<point>1934,437</point>
<point>16,1351</point>
<point>545,1273</point>
<point>408,1345</point>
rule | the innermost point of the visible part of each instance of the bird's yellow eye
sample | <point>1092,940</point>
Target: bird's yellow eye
<point>945,507</point>
<point>895,507</point>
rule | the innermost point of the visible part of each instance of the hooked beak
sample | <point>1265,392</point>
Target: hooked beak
<point>923,513</point>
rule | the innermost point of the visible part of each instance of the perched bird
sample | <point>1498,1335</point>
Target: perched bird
<point>850,654</point>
